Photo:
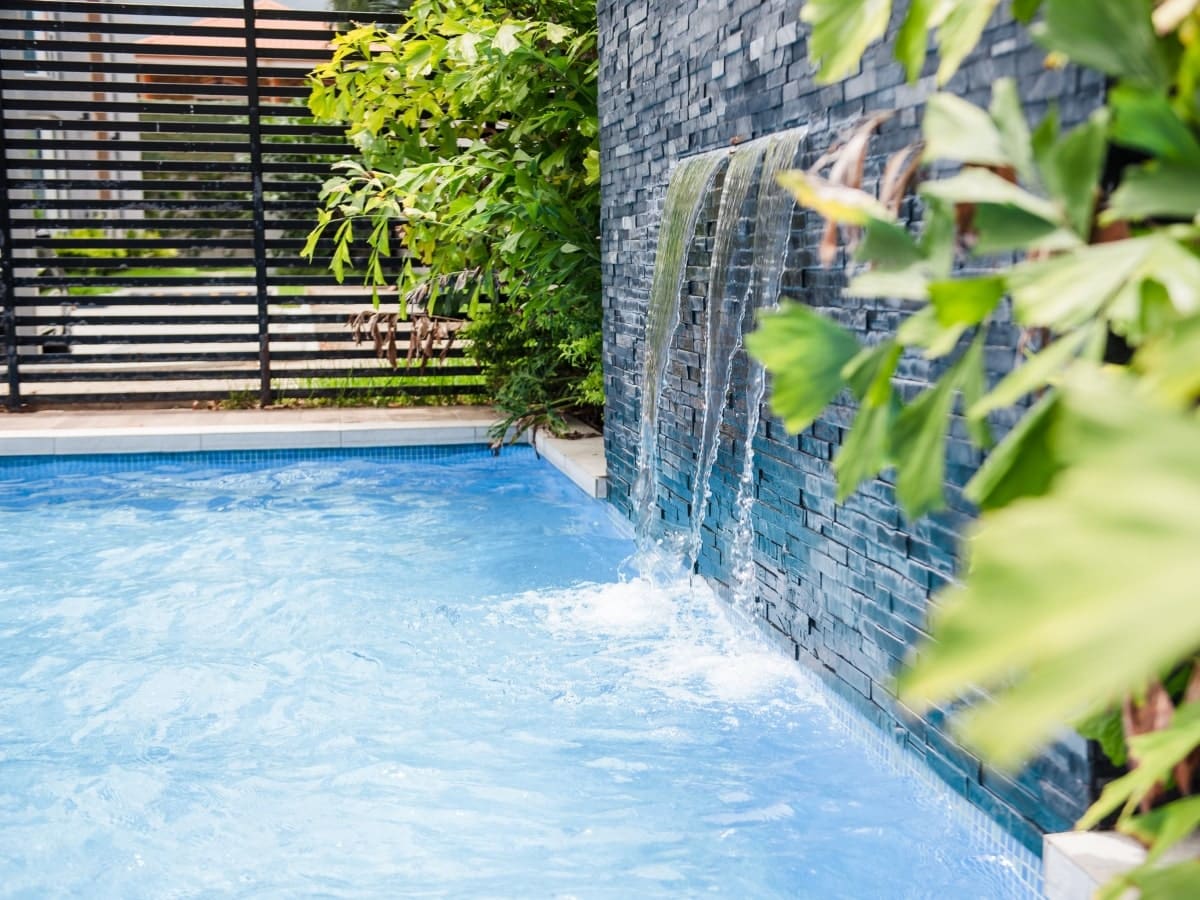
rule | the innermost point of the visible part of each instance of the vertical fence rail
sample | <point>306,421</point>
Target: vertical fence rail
<point>159,172</point>
<point>259,206</point>
<point>7,289</point>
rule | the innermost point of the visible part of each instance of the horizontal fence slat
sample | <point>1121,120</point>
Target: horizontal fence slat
<point>130,153</point>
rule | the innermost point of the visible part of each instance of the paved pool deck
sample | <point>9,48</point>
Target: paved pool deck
<point>82,431</point>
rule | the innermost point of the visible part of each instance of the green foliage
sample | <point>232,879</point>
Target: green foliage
<point>477,131</point>
<point>1078,596</point>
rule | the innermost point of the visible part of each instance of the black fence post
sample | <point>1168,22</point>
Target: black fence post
<point>259,205</point>
<point>7,289</point>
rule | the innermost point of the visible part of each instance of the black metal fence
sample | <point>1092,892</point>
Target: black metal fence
<point>158,179</point>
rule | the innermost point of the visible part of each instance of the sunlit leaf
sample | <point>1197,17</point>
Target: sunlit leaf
<point>1169,363</point>
<point>960,31</point>
<point>959,131</point>
<point>1170,14</point>
<point>836,202</point>
<point>966,301</point>
<point>805,353</point>
<point>1165,827</point>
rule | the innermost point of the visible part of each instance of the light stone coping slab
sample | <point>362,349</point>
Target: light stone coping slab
<point>175,431</point>
<point>1078,862</point>
<point>581,459</point>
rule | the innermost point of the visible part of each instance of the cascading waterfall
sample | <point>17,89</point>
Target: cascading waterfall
<point>725,322</point>
<point>687,191</point>
<point>720,339</point>
<point>771,235</point>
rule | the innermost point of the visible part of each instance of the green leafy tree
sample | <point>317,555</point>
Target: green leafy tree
<point>1078,600</point>
<point>477,129</point>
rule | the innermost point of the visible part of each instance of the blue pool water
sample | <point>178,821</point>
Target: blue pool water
<point>368,675</point>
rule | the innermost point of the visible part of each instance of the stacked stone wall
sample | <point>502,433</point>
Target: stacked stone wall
<point>845,587</point>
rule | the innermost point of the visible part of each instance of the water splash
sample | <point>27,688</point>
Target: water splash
<point>720,340</point>
<point>771,234</point>
<point>690,185</point>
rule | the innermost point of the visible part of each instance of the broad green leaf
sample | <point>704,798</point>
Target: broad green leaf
<point>919,445</point>
<point>866,447</point>
<point>889,246</point>
<point>1168,264</point>
<point>1033,374</point>
<point>836,202</point>
<point>1114,36</point>
<point>1066,291</point>
<point>908,284</point>
<point>1157,753</point>
<point>805,353</point>
<point>1025,10</point>
<point>922,329</point>
<point>940,236</point>
<point>1059,583</point>
<point>959,32</point>
<point>1013,131</point>
<point>870,372</point>
<point>841,32</point>
<point>1108,731</point>
<point>1001,229</point>
<point>1178,882</point>
<point>966,301</point>
<point>1071,171</point>
<point>1146,121</point>
<point>913,37</point>
<point>1166,190</point>
<point>1169,363</point>
<point>1165,827</point>
<point>981,186</point>
<point>865,450</point>
<point>973,387</point>
<point>958,131</point>
<point>1022,464</point>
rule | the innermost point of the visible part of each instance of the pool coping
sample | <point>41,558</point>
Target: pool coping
<point>580,457</point>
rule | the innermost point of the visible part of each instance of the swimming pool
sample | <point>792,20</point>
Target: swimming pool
<point>413,673</point>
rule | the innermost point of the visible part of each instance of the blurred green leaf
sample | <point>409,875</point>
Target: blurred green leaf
<point>960,31</point>
<point>841,32</point>
<point>958,131</point>
<point>966,301</point>
<point>805,353</point>
<point>1157,753</point>
<point>1032,374</point>
<point>1013,130</point>
<point>982,186</point>
<point>1157,190</point>
<point>889,246</point>
<point>1112,543</point>
<point>836,202</point>
<point>1022,465</point>
<point>1106,729</point>
<point>1145,120</point>
<point>913,38</point>
<point>1114,36</point>
<point>1071,170</point>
